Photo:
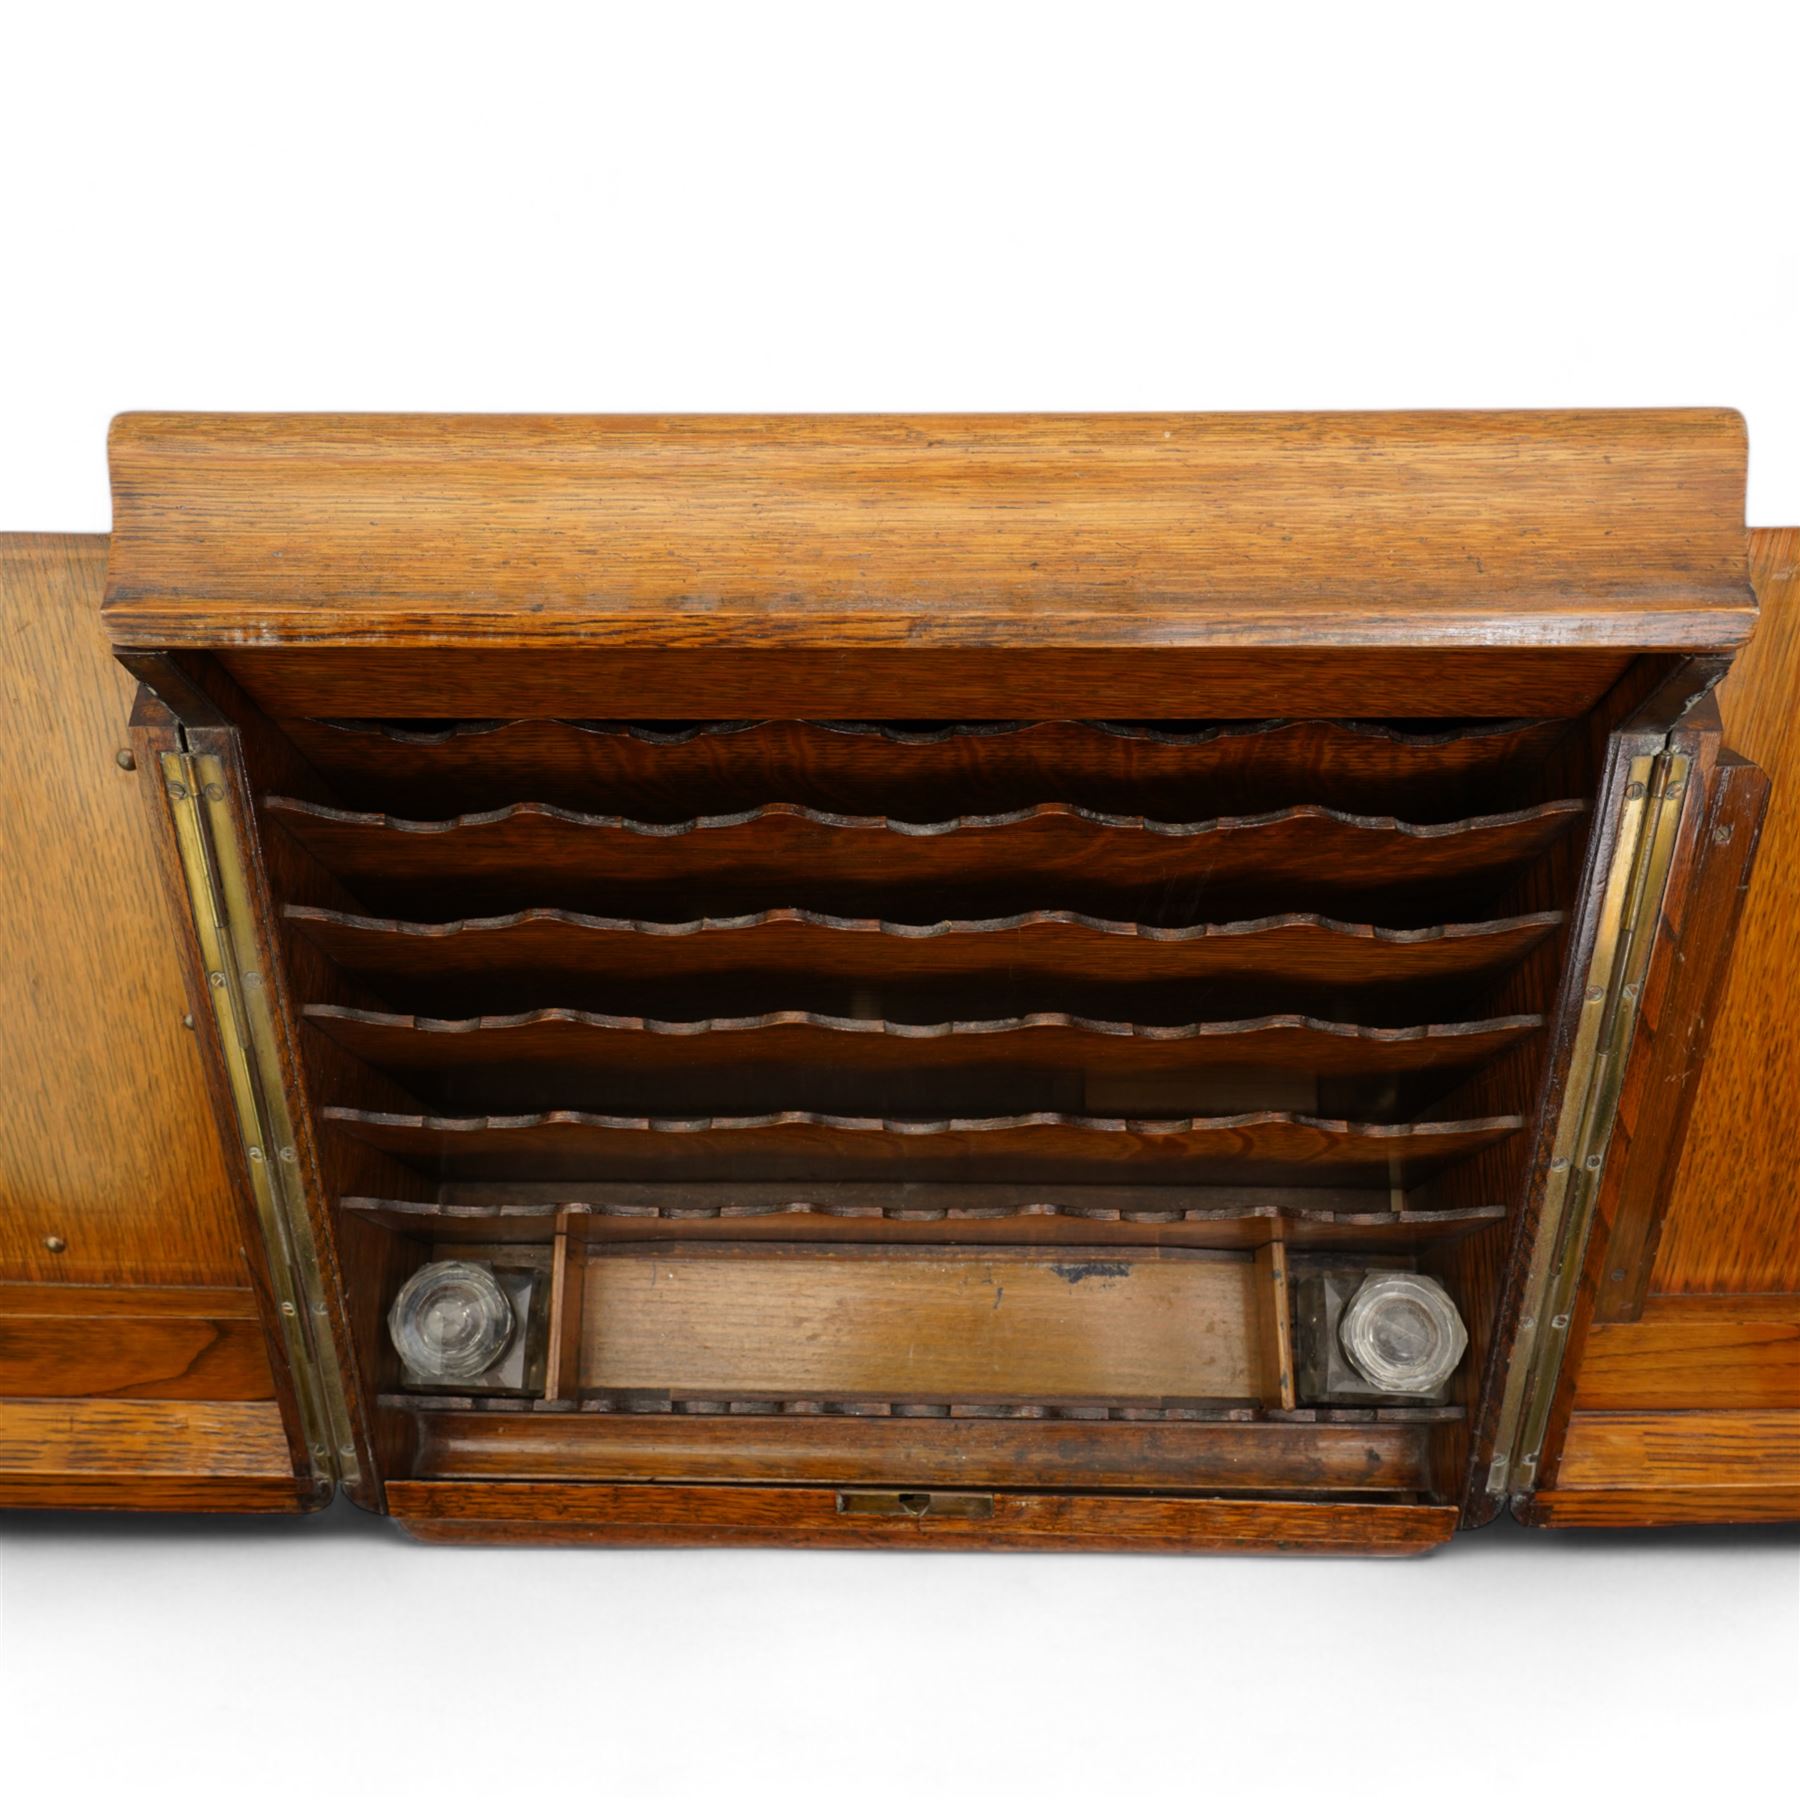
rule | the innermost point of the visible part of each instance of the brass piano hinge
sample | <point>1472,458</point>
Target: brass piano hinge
<point>1637,878</point>
<point>218,885</point>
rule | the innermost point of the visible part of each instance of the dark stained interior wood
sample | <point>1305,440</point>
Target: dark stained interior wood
<point>670,772</point>
<point>540,1512</point>
<point>565,1058</point>
<point>1152,872</point>
<point>1048,1147</point>
<point>1035,962</point>
<point>903,1452</point>
<point>848,1212</point>
<point>903,684</point>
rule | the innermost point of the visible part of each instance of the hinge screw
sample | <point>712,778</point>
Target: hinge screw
<point>213,791</point>
<point>287,1153</point>
<point>1634,790</point>
<point>1595,994</point>
<point>1594,1161</point>
<point>217,978</point>
<point>177,791</point>
<point>125,760</point>
<point>1560,1322</point>
<point>256,1154</point>
<point>1722,835</point>
<point>287,1309</point>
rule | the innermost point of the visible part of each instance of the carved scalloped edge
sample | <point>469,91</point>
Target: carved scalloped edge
<point>280,804</point>
<point>736,1406</point>
<point>1131,730</point>
<point>1387,1220</point>
<point>981,927</point>
<point>794,915</point>
<point>573,1119</point>
<point>1268,1024</point>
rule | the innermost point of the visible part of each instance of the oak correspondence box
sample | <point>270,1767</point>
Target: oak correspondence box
<point>1142,981</point>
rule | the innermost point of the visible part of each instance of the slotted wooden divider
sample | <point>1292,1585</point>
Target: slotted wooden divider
<point>967,1070</point>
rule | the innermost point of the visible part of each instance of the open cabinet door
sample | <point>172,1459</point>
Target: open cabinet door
<point>1679,1401</point>
<point>135,1365</point>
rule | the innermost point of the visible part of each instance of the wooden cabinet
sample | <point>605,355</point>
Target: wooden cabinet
<point>925,960</point>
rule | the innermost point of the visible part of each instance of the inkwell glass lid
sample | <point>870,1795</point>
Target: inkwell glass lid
<point>1402,1333</point>
<point>451,1321</point>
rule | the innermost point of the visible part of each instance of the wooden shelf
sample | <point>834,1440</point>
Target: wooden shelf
<point>667,774</point>
<point>559,1057</point>
<point>788,958</point>
<point>923,1213</point>
<point>1120,866</point>
<point>1048,1147</point>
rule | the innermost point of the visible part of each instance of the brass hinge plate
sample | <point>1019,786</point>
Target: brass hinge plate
<point>1656,790</point>
<point>218,883</point>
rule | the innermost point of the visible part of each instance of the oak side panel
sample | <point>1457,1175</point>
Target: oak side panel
<point>1694,1352</point>
<point>1611,1508</point>
<point>107,1141</point>
<point>1733,1220</point>
<point>1737,1448</point>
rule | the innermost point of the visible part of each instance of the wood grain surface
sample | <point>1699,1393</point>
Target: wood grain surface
<point>530,1512</point>
<point>107,1142</point>
<point>455,682</point>
<point>761,1063</point>
<point>1695,1352</point>
<point>1132,1327</point>
<point>204,1455</point>
<point>906,1452</point>
<point>1099,968</point>
<point>921,1213</point>
<point>1269,1147</point>
<point>1740,1447</point>
<point>836,533</point>
<point>926,771</point>
<point>1381,870</point>
<point>1733,1220</point>
<point>133,1342</point>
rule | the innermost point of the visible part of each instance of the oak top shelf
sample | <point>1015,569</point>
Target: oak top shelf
<point>1487,532</point>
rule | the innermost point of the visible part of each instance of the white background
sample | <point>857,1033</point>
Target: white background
<point>895,207</point>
